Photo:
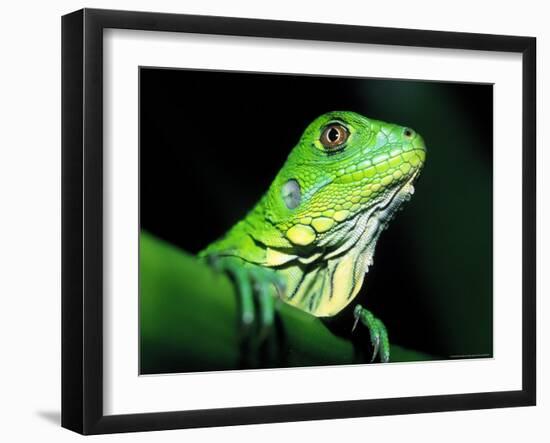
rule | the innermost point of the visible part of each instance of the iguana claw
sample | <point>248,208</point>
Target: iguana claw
<point>378,333</point>
<point>256,288</point>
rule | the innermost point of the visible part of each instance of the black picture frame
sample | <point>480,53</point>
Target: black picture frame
<point>82,220</point>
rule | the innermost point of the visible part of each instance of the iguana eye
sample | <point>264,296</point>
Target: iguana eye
<point>334,136</point>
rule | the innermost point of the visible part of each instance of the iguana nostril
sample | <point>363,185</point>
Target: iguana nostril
<point>408,132</point>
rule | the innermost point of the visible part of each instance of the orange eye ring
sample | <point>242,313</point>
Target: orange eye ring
<point>334,136</point>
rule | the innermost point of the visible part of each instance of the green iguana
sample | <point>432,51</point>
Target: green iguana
<point>312,235</point>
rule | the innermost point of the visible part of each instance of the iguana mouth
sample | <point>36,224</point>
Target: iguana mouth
<point>402,194</point>
<point>382,210</point>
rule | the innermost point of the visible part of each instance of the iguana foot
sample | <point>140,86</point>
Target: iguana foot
<point>378,333</point>
<point>256,288</point>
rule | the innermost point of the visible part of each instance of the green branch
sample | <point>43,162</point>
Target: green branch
<point>189,322</point>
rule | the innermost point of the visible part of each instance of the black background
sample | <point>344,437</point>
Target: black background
<point>211,143</point>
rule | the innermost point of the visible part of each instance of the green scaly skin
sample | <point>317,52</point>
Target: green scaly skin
<point>311,237</point>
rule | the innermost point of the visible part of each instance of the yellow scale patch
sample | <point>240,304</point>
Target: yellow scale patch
<point>340,215</point>
<point>301,235</point>
<point>305,232</point>
<point>322,224</point>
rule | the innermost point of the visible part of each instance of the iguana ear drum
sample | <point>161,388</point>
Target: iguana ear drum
<point>291,193</point>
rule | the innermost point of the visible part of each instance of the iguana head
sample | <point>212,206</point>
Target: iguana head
<point>338,189</point>
<point>344,164</point>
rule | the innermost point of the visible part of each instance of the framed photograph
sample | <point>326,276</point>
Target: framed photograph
<point>269,221</point>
